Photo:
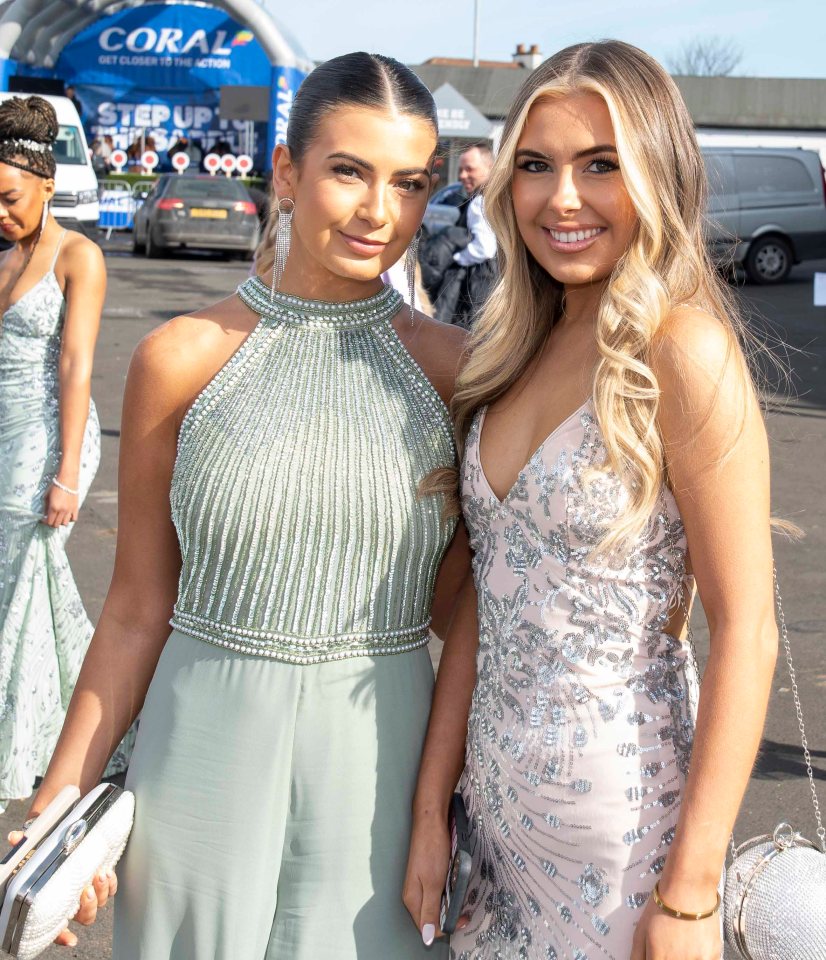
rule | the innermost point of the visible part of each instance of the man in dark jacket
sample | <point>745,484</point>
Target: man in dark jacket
<point>459,264</point>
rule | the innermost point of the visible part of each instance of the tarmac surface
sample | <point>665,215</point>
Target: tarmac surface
<point>143,293</point>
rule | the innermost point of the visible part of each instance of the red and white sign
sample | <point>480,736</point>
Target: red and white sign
<point>228,164</point>
<point>149,160</point>
<point>180,161</point>
<point>118,159</point>
<point>212,163</point>
<point>243,164</point>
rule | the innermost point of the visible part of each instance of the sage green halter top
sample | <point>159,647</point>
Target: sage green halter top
<point>294,492</point>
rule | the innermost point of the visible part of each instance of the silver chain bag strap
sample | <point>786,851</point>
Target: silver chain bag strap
<point>774,904</point>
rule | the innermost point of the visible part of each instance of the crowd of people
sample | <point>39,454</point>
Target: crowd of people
<point>316,476</point>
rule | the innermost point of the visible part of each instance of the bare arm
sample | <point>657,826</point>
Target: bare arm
<point>718,463</point>
<point>85,274</point>
<point>442,762</point>
<point>134,624</point>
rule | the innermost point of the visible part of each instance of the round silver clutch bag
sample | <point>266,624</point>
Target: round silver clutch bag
<point>774,906</point>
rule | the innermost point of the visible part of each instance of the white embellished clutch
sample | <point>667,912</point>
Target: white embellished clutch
<point>44,894</point>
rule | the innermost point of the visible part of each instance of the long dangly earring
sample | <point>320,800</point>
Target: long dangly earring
<point>283,233</point>
<point>410,260</point>
<point>44,218</point>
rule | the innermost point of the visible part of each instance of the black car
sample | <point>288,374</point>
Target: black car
<point>203,212</point>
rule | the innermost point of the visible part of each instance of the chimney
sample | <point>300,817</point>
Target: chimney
<point>530,59</point>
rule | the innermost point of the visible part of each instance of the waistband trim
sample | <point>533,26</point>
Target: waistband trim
<point>302,650</point>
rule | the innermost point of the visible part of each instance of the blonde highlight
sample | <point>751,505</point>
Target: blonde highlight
<point>666,266</point>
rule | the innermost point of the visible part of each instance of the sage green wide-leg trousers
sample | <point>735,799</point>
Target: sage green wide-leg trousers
<point>273,809</point>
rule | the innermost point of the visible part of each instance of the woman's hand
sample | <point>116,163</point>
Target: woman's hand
<point>660,937</point>
<point>427,866</point>
<point>103,886</point>
<point>61,507</point>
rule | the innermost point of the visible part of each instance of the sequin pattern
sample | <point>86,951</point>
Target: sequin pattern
<point>44,630</point>
<point>295,487</point>
<point>581,722</point>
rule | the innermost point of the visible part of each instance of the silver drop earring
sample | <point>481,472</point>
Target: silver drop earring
<point>411,258</point>
<point>283,233</point>
<point>44,218</point>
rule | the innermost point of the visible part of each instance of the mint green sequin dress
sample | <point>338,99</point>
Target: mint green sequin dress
<point>44,629</point>
<point>281,735</point>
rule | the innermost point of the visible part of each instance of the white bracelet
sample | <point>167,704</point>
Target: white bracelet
<point>64,488</point>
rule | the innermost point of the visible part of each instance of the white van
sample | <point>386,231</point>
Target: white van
<point>75,202</point>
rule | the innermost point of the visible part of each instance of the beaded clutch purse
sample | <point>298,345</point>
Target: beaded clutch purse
<point>774,904</point>
<point>45,892</point>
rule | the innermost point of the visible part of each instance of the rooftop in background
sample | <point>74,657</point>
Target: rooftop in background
<point>765,102</point>
<point>459,62</point>
<point>749,102</point>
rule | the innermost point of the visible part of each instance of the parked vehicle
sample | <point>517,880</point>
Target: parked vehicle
<point>200,211</point>
<point>75,202</point>
<point>767,208</point>
<point>443,208</point>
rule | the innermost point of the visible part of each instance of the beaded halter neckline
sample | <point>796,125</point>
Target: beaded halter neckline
<point>320,313</point>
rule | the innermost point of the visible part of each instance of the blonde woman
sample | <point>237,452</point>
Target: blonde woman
<point>612,447</point>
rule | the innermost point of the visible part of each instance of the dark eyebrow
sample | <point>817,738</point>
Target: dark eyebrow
<point>593,151</point>
<point>358,162</point>
<point>590,152</point>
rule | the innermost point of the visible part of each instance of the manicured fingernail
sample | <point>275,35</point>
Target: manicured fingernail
<point>428,934</point>
<point>90,894</point>
<point>101,877</point>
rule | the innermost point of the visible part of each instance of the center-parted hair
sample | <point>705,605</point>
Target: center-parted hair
<point>28,128</point>
<point>360,79</point>
<point>666,265</point>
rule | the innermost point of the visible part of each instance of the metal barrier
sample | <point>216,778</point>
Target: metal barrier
<point>117,206</point>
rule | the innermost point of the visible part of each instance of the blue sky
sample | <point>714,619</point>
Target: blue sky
<point>779,38</point>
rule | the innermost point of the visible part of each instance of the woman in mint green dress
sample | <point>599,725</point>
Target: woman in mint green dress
<point>289,427</point>
<point>52,285</point>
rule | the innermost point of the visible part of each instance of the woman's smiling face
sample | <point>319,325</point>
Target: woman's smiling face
<point>572,208</point>
<point>360,191</point>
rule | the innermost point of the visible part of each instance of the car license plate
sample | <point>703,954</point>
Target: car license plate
<point>206,214</point>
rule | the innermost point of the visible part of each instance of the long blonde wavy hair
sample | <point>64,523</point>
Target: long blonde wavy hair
<point>666,265</point>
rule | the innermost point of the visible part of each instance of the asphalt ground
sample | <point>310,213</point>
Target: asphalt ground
<point>143,293</point>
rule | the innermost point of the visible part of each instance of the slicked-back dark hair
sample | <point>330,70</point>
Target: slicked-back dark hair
<point>358,80</point>
<point>24,121</point>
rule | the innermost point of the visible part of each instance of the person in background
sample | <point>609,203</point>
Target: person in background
<point>196,154</point>
<point>471,271</point>
<point>71,94</point>
<point>52,286</point>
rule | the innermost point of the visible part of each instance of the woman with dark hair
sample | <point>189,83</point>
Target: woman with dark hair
<point>52,285</point>
<point>290,426</point>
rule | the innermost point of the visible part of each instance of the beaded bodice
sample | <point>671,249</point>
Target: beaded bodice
<point>30,337</point>
<point>294,492</point>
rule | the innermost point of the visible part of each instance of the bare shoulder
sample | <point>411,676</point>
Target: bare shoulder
<point>443,336</point>
<point>694,350</point>
<point>79,253</point>
<point>706,390</point>
<point>440,350</point>
<point>173,363</point>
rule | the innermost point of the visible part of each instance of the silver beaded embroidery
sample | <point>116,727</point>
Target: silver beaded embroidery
<point>294,492</point>
<point>580,726</point>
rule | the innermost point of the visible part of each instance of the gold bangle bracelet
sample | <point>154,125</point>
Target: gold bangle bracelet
<point>682,914</point>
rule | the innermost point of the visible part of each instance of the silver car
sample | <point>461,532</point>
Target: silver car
<point>443,208</point>
<point>767,208</point>
<point>204,212</point>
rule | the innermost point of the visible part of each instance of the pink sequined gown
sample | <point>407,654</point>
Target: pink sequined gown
<point>581,723</point>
